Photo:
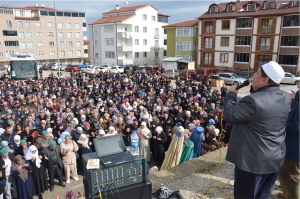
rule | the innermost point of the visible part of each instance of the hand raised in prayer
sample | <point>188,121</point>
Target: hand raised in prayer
<point>26,165</point>
<point>0,174</point>
<point>5,166</point>
<point>90,143</point>
<point>46,158</point>
<point>40,156</point>
<point>158,138</point>
<point>293,94</point>
<point>19,168</point>
<point>154,137</point>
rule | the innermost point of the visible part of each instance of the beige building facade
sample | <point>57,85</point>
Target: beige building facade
<point>35,31</point>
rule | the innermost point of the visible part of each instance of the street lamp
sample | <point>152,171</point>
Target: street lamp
<point>58,62</point>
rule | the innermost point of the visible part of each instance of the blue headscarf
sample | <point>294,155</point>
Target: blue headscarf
<point>197,138</point>
<point>62,137</point>
<point>128,120</point>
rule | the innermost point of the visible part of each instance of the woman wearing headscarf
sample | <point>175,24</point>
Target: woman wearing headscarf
<point>197,138</point>
<point>159,138</point>
<point>144,134</point>
<point>16,144</point>
<point>111,131</point>
<point>62,137</point>
<point>84,146</point>
<point>127,135</point>
<point>38,171</point>
<point>24,182</point>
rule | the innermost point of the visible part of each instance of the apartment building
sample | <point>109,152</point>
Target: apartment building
<point>35,31</point>
<point>182,40</point>
<point>246,34</point>
<point>128,35</point>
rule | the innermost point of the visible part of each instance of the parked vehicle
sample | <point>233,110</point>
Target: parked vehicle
<point>71,68</point>
<point>117,69</point>
<point>201,72</point>
<point>2,67</point>
<point>89,69</point>
<point>141,69</point>
<point>39,66</point>
<point>105,68</point>
<point>63,67</point>
<point>55,66</point>
<point>245,74</point>
<point>230,78</point>
<point>290,78</point>
<point>133,68</point>
<point>172,74</point>
<point>81,65</point>
<point>150,69</point>
<point>183,74</point>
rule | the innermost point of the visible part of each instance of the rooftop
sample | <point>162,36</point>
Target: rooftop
<point>128,9</point>
<point>34,8</point>
<point>112,19</point>
<point>189,23</point>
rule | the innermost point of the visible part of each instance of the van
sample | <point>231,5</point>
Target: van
<point>201,72</point>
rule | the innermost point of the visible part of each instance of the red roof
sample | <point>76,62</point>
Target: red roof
<point>128,9</point>
<point>111,19</point>
<point>189,23</point>
<point>161,14</point>
<point>33,8</point>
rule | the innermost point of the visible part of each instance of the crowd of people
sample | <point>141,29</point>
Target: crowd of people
<point>48,124</point>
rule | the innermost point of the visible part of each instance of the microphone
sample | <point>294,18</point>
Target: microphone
<point>246,83</point>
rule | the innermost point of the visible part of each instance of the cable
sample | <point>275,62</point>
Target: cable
<point>116,189</point>
<point>100,194</point>
<point>107,185</point>
<point>105,192</point>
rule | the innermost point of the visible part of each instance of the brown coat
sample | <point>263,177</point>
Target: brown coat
<point>68,157</point>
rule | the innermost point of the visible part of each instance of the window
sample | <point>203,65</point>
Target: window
<point>78,52</point>
<point>156,43</point>
<point>165,42</point>
<point>153,18</point>
<point>22,45</point>
<point>108,28</point>
<point>62,53</point>
<point>184,46</point>
<point>27,24</point>
<point>77,43</point>
<point>244,23</point>
<point>109,41</point>
<point>110,54</point>
<point>95,42</point>
<point>231,8</point>
<point>267,25</point>
<point>51,43</point>
<point>214,9</point>
<point>52,52</point>
<point>61,35</point>
<point>262,59</point>
<point>208,42</point>
<point>162,19</point>
<point>20,24</point>
<point>144,17</point>
<point>0,44</point>
<point>269,5</point>
<point>225,24</point>
<point>8,24</point>
<point>61,44</point>
<point>70,44</point>
<point>77,35</point>
<point>38,24</point>
<point>21,35</point>
<point>144,54</point>
<point>40,43</point>
<point>11,43</point>
<point>136,55</point>
<point>70,53</point>
<point>296,3</point>
<point>23,53</point>
<point>288,59</point>
<point>156,32</point>
<point>50,34</point>
<point>144,29</point>
<point>1,54</point>
<point>243,40</point>
<point>49,24</point>
<point>184,57</point>
<point>224,41</point>
<point>251,7</point>
<point>83,24</point>
<point>291,20</point>
<point>22,13</point>
<point>136,29</point>
<point>165,31</point>
<point>291,40</point>
<point>185,32</point>
<point>156,57</point>
<point>77,26</point>
<point>207,58</point>
<point>29,35</point>
<point>96,55</point>
<point>224,57</point>
<point>136,42</point>
<point>145,42</point>
<point>69,35</point>
<point>60,25</point>
<point>208,27</point>
<point>30,44</point>
<point>31,54</point>
<point>41,53</point>
<point>241,57</point>
<point>95,30</point>
<point>10,33</point>
<point>69,25</point>
<point>265,43</point>
<point>39,34</point>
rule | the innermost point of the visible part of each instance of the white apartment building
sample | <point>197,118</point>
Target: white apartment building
<point>35,31</point>
<point>128,35</point>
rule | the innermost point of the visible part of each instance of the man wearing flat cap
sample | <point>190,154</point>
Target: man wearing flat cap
<point>257,146</point>
<point>43,141</point>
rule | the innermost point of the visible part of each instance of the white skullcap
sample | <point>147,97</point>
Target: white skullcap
<point>274,71</point>
<point>49,130</point>
<point>143,124</point>
<point>102,132</point>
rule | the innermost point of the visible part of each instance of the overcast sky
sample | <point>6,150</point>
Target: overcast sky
<point>178,10</point>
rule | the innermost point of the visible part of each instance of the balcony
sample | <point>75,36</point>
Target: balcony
<point>156,36</point>
<point>266,29</point>
<point>126,35</point>
<point>124,48</point>
<point>85,55</point>
<point>208,29</point>
<point>156,58</point>
<point>156,47</point>
<point>84,29</point>
<point>264,47</point>
<point>85,46</point>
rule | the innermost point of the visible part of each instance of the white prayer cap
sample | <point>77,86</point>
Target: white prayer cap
<point>274,71</point>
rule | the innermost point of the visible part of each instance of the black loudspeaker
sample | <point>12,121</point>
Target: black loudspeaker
<point>135,191</point>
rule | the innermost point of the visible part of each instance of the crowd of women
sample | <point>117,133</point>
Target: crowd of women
<point>48,124</point>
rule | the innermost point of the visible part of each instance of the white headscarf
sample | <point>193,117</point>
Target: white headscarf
<point>17,137</point>
<point>86,142</point>
<point>159,129</point>
<point>111,128</point>
<point>29,155</point>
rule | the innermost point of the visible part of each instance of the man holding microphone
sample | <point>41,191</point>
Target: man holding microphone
<point>256,144</point>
